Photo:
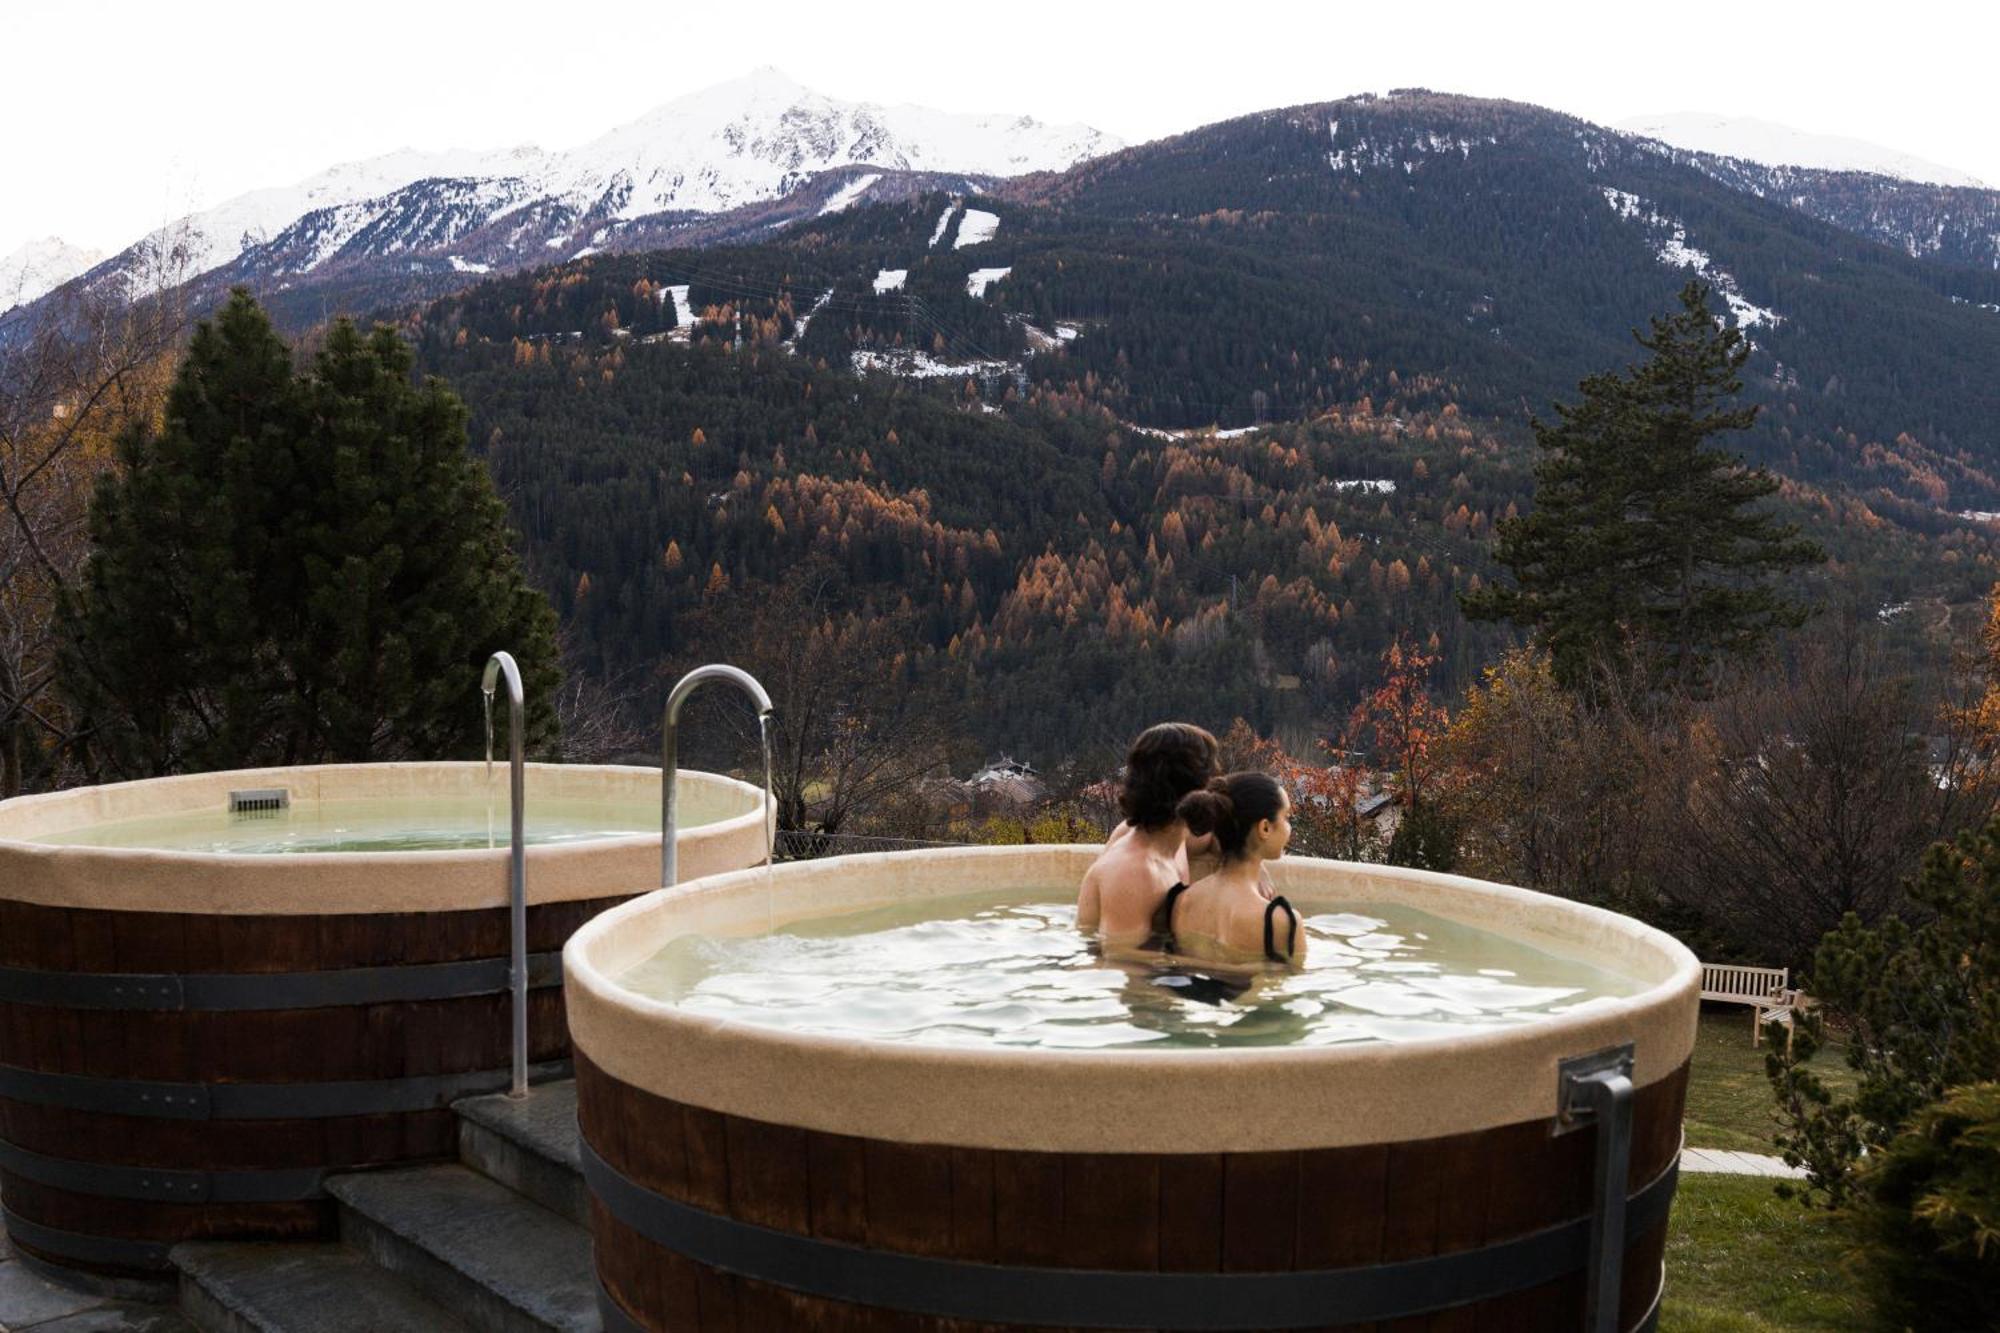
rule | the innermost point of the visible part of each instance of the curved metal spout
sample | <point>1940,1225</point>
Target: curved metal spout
<point>670,748</point>
<point>517,883</point>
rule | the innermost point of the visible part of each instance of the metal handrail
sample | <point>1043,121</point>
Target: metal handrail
<point>517,883</point>
<point>670,749</point>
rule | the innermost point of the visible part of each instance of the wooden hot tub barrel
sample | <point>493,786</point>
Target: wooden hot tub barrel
<point>171,1075</point>
<point>746,1177</point>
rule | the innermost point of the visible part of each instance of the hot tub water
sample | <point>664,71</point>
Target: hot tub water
<point>1015,972</point>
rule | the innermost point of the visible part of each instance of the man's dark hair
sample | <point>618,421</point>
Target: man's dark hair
<point>1166,763</point>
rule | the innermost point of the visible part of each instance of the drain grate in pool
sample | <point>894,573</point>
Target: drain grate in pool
<point>260,801</point>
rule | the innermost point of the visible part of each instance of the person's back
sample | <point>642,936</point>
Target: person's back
<point>1227,918</point>
<point>1123,889</point>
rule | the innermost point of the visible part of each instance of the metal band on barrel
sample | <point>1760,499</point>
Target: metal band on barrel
<point>168,1185</point>
<point>213,992</point>
<point>85,1249</point>
<point>258,1101</point>
<point>960,1289</point>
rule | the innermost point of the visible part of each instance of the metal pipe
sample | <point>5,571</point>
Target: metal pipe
<point>1595,1091</point>
<point>670,750</point>
<point>502,663</point>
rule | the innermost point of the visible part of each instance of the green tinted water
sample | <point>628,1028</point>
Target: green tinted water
<point>417,824</point>
<point>1016,972</point>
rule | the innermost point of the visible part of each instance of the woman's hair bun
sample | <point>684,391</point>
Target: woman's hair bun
<point>1230,806</point>
<point>1206,810</point>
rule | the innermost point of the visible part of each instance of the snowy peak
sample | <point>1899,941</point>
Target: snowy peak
<point>749,141</point>
<point>1778,145</point>
<point>40,267</point>
<point>759,136</point>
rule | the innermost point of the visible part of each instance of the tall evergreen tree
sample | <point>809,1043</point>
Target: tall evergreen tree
<point>1644,548</point>
<point>297,568</point>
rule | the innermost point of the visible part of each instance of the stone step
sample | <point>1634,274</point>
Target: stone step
<point>530,1146</point>
<point>500,1262</point>
<point>299,1288</point>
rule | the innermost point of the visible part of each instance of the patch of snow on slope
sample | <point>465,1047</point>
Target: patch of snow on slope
<point>1408,152</point>
<point>1670,247</point>
<point>467,266</point>
<point>556,242</point>
<point>1368,485</point>
<point>845,196</point>
<point>914,364</point>
<point>1783,146</point>
<point>944,220</point>
<point>976,228</point>
<point>799,329</point>
<point>980,279</point>
<point>683,311</point>
<point>890,279</point>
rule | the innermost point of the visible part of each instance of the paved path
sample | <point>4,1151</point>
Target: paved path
<point>30,1303</point>
<point>1722,1162</point>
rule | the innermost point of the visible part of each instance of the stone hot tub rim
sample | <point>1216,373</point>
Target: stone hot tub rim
<point>330,883</point>
<point>1109,1100</point>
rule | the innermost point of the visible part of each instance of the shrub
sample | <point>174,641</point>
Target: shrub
<point>1929,1216</point>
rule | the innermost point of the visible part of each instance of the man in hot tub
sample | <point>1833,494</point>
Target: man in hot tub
<point>1147,854</point>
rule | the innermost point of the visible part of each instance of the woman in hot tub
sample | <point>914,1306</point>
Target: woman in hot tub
<point>1227,919</point>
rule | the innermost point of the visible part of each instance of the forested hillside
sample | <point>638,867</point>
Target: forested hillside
<point>1065,573</point>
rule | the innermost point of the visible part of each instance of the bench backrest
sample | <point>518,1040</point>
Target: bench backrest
<point>1728,981</point>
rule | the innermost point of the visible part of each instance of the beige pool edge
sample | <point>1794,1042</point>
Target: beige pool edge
<point>141,879</point>
<point>1263,1099</point>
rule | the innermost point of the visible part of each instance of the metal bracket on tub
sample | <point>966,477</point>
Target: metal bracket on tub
<point>1596,1090</point>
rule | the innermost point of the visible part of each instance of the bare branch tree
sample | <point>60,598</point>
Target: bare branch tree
<point>93,365</point>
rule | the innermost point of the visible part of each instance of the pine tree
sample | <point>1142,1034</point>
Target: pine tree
<point>298,568</point>
<point>1643,549</point>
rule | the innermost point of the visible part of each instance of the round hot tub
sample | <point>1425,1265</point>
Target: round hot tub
<point>217,989</point>
<point>758,1158</point>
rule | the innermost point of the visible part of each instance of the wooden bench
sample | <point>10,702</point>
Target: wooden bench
<point>1767,990</point>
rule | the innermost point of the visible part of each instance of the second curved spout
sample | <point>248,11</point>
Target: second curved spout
<point>669,754</point>
<point>517,882</point>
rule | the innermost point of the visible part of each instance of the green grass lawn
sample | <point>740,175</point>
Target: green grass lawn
<point>1742,1260</point>
<point>1729,1101</point>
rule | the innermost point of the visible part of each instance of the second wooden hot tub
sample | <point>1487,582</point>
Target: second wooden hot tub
<point>190,1041</point>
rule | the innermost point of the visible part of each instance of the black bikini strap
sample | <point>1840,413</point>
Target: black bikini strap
<point>1292,934</point>
<point>1163,919</point>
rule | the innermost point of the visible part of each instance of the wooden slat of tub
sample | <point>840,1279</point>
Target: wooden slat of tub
<point>837,1184</point>
<point>1190,1225</point>
<point>1343,1198</point>
<point>1465,1161</point>
<point>1260,1210</point>
<point>1111,1211</point>
<point>973,1220</point>
<point>707,1146</point>
<point>909,1197</point>
<point>769,1179</point>
<point>1028,1208</point>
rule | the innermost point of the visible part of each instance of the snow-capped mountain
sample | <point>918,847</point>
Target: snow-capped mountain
<point>748,142</point>
<point>39,267</point>
<point>1778,145</point>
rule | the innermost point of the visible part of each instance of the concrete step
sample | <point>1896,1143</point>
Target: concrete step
<point>271,1288</point>
<point>500,1262</point>
<point>530,1146</point>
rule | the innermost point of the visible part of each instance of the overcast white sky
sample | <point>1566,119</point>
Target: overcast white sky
<point>116,116</point>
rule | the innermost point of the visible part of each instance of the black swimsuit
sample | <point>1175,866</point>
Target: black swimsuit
<point>1162,938</point>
